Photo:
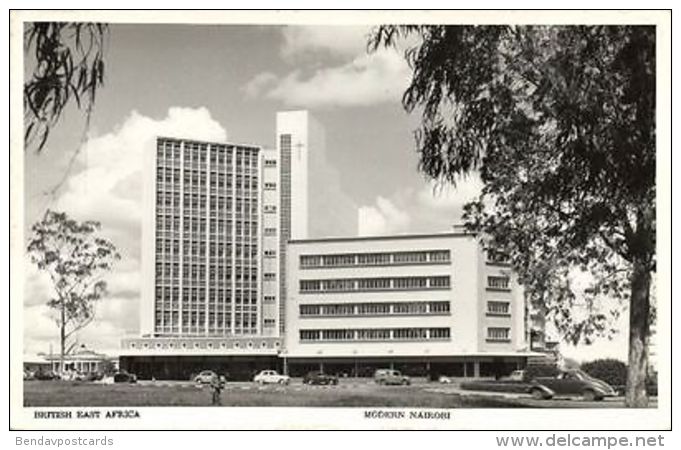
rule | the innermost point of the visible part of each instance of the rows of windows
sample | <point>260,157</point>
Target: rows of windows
<point>374,284</point>
<point>498,334</point>
<point>207,238</point>
<point>374,259</point>
<point>375,334</point>
<point>498,283</point>
<point>375,309</point>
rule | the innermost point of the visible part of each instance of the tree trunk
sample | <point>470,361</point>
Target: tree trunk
<point>62,336</point>
<point>639,322</point>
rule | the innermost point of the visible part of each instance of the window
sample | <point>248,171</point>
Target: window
<point>269,298</point>
<point>310,285</point>
<point>270,186</point>
<point>338,260</point>
<point>270,231</point>
<point>498,334</point>
<point>373,259</point>
<point>409,283</point>
<point>338,285</point>
<point>270,276</point>
<point>497,257</point>
<point>439,282</point>
<point>439,307</point>
<point>410,308</point>
<point>310,261</point>
<point>409,333</point>
<point>373,309</point>
<point>270,253</point>
<point>310,310</point>
<point>339,310</point>
<point>439,333</point>
<point>270,163</point>
<point>338,335</point>
<point>269,322</point>
<point>439,256</point>
<point>497,308</point>
<point>375,334</point>
<point>410,257</point>
<point>309,335</point>
<point>270,209</point>
<point>498,283</point>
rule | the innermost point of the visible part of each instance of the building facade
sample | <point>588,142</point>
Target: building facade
<point>249,262</point>
<point>428,304</point>
<point>201,264</point>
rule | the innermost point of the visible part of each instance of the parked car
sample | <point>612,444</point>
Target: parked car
<point>94,376</point>
<point>577,382</point>
<point>444,379</point>
<point>124,377</point>
<point>46,375</point>
<point>317,377</point>
<point>206,377</point>
<point>391,376</point>
<point>517,375</point>
<point>536,390</point>
<point>271,377</point>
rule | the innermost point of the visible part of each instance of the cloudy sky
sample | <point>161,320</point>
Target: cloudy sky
<point>227,82</point>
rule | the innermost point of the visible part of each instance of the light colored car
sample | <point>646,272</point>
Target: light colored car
<point>205,377</point>
<point>271,377</point>
<point>444,379</point>
<point>391,376</point>
<point>517,375</point>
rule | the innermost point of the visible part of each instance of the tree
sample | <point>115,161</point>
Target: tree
<point>76,259</point>
<point>559,121</point>
<point>66,63</point>
<point>612,371</point>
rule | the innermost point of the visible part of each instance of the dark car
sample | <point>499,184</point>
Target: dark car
<point>124,377</point>
<point>577,382</point>
<point>46,375</point>
<point>319,378</point>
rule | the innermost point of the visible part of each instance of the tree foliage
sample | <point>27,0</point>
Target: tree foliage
<point>612,371</point>
<point>67,66</point>
<point>559,121</point>
<point>76,260</point>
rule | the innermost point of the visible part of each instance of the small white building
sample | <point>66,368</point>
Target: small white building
<point>83,360</point>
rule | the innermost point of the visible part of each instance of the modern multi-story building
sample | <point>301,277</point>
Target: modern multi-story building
<point>250,261</point>
<point>216,220</point>
<point>203,241</point>
<point>427,304</point>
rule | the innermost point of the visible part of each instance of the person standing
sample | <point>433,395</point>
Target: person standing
<point>216,386</point>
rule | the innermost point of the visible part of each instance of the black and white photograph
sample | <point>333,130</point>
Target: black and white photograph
<point>416,220</point>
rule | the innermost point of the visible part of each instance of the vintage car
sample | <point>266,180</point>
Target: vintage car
<point>316,377</point>
<point>271,377</point>
<point>391,376</point>
<point>124,377</point>
<point>576,382</point>
<point>207,377</point>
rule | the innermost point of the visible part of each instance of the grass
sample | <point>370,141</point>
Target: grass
<point>362,394</point>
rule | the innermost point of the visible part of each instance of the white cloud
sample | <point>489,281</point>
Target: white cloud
<point>354,78</point>
<point>382,218</point>
<point>366,80</point>
<point>260,83</point>
<point>109,190</point>
<point>333,40</point>
<point>444,197</point>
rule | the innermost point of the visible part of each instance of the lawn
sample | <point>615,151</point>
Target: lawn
<point>361,394</point>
